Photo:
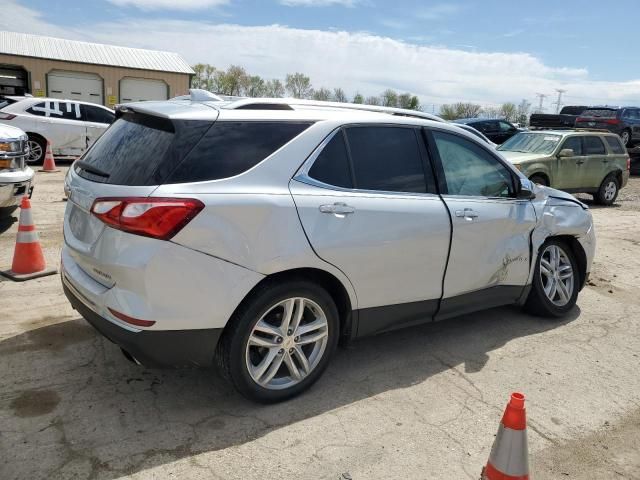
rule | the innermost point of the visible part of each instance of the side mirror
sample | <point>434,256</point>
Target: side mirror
<point>525,189</point>
<point>566,152</point>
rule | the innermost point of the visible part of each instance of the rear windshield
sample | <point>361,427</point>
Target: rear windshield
<point>601,112</point>
<point>139,150</point>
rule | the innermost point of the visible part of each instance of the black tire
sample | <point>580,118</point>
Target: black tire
<point>538,303</point>
<point>627,138</point>
<point>604,195</point>
<point>42,145</point>
<point>539,179</point>
<point>232,349</point>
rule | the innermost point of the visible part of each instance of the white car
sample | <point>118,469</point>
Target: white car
<point>16,177</point>
<point>71,126</point>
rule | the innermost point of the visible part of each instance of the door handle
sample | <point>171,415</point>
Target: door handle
<point>467,213</point>
<point>338,209</point>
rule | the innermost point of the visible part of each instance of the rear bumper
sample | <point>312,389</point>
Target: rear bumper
<point>164,348</point>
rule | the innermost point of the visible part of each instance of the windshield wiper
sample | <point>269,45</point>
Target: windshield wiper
<point>91,169</point>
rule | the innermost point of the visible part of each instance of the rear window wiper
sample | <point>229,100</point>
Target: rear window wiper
<point>91,169</point>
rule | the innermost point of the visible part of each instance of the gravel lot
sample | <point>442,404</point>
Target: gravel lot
<point>419,403</point>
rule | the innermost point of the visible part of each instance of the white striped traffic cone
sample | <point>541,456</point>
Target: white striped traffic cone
<point>49,164</point>
<point>509,458</point>
<point>28,260</point>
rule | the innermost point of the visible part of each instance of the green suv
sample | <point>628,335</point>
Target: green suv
<point>570,160</point>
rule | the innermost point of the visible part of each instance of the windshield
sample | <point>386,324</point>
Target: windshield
<point>529,142</point>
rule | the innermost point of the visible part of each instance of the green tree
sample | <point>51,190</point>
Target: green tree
<point>358,98</point>
<point>460,110</point>
<point>389,98</point>
<point>509,112</point>
<point>339,95</point>
<point>198,80</point>
<point>448,112</point>
<point>408,101</point>
<point>274,88</point>
<point>299,85</point>
<point>523,111</point>
<point>255,87</point>
<point>232,82</point>
<point>322,94</point>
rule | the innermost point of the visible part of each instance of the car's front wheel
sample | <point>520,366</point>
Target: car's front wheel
<point>555,281</point>
<point>37,150</point>
<point>539,179</point>
<point>279,342</point>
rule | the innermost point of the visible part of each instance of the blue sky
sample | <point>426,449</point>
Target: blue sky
<point>490,51</point>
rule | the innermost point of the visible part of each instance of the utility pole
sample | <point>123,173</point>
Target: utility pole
<point>541,96</point>
<point>559,101</point>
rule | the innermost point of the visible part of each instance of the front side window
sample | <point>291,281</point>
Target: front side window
<point>98,115</point>
<point>615,144</point>
<point>332,165</point>
<point>470,170</point>
<point>575,144</point>
<point>386,159</point>
<point>593,146</point>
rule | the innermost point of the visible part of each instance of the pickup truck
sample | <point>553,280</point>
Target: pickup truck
<point>16,178</point>
<point>565,119</point>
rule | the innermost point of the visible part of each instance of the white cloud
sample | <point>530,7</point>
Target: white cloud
<point>354,61</point>
<point>318,3</point>
<point>17,18</point>
<point>438,11</point>
<point>170,4</point>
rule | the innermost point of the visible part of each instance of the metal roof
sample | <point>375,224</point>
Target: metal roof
<point>27,45</point>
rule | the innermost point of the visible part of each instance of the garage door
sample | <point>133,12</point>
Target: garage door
<point>75,86</point>
<point>141,89</point>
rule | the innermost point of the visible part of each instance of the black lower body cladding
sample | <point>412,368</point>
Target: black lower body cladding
<point>167,348</point>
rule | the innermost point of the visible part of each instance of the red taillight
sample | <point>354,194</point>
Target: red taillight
<point>6,116</point>
<point>159,218</point>
<point>612,121</point>
<point>581,119</point>
<point>130,320</point>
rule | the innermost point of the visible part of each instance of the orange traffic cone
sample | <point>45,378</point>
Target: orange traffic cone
<point>509,458</point>
<point>28,260</point>
<point>49,163</point>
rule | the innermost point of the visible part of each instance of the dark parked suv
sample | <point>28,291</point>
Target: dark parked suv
<point>624,121</point>
<point>496,130</point>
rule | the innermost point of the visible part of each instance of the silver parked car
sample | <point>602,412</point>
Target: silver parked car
<point>16,178</point>
<point>255,234</point>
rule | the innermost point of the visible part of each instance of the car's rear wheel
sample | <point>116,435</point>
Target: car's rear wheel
<point>37,150</point>
<point>555,281</point>
<point>626,138</point>
<point>539,179</point>
<point>608,191</point>
<point>6,212</point>
<point>279,342</point>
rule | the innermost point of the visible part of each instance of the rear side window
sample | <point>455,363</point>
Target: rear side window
<point>615,144</point>
<point>387,159</point>
<point>57,109</point>
<point>332,165</point>
<point>593,146</point>
<point>140,150</point>
<point>231,148</point>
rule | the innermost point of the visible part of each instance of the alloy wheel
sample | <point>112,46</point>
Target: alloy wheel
<point>35,151</point>
<point>287,343</point>
<point>610,190</point>
<point>557,276</point>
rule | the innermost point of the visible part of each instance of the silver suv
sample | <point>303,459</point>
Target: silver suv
<point>255,234</point>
